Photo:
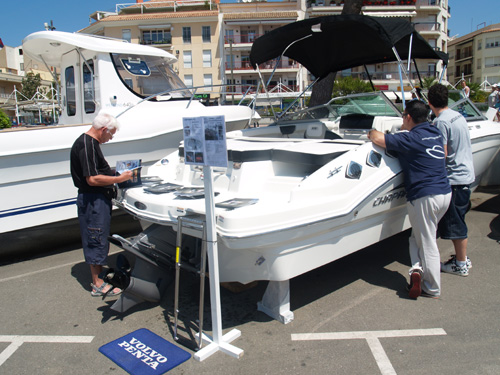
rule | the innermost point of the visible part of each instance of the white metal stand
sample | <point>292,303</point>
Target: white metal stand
<point>218,341</point>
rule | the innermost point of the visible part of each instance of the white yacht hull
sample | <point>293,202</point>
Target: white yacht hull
<point>35,181</point>
<point>300,221</point>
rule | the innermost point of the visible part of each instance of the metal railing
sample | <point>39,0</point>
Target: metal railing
<point>171,5</point>
<point>246,65</point>
<point>427,26</point>
<point>156,42</point>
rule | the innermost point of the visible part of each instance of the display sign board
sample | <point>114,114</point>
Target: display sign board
<point>205,141</point>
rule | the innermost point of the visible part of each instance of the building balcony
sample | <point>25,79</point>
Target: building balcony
<point>431,3</point>
<point>244,65</point>
<point>389,76</point>
<point>332,3</point>
<point>427,28</point>
<point>460,59</point>
<point>251,89</point>
<point>156,43</point>
<point>240,39</point>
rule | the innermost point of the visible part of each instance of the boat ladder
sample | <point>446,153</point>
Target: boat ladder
<point>184,222</point>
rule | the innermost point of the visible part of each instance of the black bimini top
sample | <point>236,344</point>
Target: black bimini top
<point>333,43</point>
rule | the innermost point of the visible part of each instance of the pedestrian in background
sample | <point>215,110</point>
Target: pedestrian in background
<point>465,89</point>
<point>420,152</point>
<point>460,171</point>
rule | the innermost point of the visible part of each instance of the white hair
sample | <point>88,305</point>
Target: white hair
<point>105,120</point>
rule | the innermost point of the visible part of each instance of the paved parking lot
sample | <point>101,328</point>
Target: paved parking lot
<point>351,317</point>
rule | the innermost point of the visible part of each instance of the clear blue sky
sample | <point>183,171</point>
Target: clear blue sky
<point>22,17</point>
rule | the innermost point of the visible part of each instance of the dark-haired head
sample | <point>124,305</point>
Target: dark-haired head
<point>418,110</point>
<point>438,96</point>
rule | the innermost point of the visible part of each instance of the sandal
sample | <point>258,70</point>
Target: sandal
<point>99,291</point>
<point>112,292</point>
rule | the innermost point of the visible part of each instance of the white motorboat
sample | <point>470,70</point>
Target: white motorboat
<point>295,195</point>
<point>133,82</point>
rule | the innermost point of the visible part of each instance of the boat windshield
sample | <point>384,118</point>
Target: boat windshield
<point>373,103</point>
<point>457,102</point>
<point>149,75</point>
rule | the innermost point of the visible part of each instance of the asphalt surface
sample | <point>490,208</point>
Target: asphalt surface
<point>355,311</point>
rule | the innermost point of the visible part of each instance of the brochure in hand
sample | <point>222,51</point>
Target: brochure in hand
<point>129,165</point>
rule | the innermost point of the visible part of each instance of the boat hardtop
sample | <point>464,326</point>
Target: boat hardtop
<point>50,46</point>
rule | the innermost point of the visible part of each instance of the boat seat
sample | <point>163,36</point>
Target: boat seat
<point>284,156</point>
<point>320,131</point>
<point>315,131</point>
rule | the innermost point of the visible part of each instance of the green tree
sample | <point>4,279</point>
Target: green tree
<point>476,94</point>
<point>349,85</point>
<point>427,82</point>
<point>30,84</point>
<point>4,120</point>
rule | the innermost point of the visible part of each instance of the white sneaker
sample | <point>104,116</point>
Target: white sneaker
<point>451,267</point>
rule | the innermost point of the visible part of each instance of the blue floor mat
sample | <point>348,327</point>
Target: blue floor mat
<point>142,352</point>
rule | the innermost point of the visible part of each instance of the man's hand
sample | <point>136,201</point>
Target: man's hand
<point>377,137</point>
<point>103,180</point>
<point>125,176</point>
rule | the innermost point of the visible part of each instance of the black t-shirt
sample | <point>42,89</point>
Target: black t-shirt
<point>87,160</point>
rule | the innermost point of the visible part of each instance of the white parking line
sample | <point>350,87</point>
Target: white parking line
<point>48,269</point>
<point>16,341</point>
<point>372,338</point>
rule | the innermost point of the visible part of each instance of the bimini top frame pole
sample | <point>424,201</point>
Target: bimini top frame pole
<point>278,60</point>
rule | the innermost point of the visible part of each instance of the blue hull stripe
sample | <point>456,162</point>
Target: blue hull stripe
<point>37,207</point>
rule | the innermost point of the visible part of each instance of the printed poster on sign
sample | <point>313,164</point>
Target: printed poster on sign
<point>205,141</point>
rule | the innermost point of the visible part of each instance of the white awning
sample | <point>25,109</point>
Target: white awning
<point>153,27</point>
<point>391,14</point>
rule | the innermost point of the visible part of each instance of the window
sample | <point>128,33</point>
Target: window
<point>431,69</point>
<point>147,75</point>
<point>478,63</point>
<point>207,58</point>
<point>205,32</point>
<point>186,35</point>
<point>492,61</point>
<point>188,80</point>
<point>229,36</point>
<point>157,37</point>
<point>88,87</point>
<point>126,35</point>
<point>188,60</point>
<point>207,81</point>
<point>248,36</point>
<point>230,61</point>
<point>492,42</point>
<point>69,75</point>
<point>479,45</point>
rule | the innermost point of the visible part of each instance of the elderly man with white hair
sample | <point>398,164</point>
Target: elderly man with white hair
<point>95,181</point>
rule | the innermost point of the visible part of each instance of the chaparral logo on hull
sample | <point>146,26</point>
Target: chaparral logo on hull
<point>389,197</point>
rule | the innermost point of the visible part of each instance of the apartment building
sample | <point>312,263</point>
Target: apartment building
<point>242,23</point>
<point>430,18</point>
<point>189,29</point>
<point>475,57</point>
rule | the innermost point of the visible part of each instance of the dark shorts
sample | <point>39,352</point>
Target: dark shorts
<point>94,215</point>
<point>452,226</point>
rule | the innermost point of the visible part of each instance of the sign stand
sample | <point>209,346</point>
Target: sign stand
<point>205,145</point>
<point>218,341</point>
